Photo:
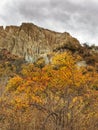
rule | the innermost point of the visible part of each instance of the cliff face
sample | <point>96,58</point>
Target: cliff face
<point>31,42</point>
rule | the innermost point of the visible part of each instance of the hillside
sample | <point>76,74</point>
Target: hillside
<point>48,80</point>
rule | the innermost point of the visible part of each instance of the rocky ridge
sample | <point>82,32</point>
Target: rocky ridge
<point>31,42</point>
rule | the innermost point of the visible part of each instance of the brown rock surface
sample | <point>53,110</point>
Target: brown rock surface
<point>31,42</point>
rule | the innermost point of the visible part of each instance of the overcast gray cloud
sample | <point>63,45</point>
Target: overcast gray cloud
<point>78,17</point>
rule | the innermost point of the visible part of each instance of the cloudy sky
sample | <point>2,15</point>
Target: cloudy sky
<point>78,17</point>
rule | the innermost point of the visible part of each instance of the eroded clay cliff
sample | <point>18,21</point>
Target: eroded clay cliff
<point>31,42</point>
